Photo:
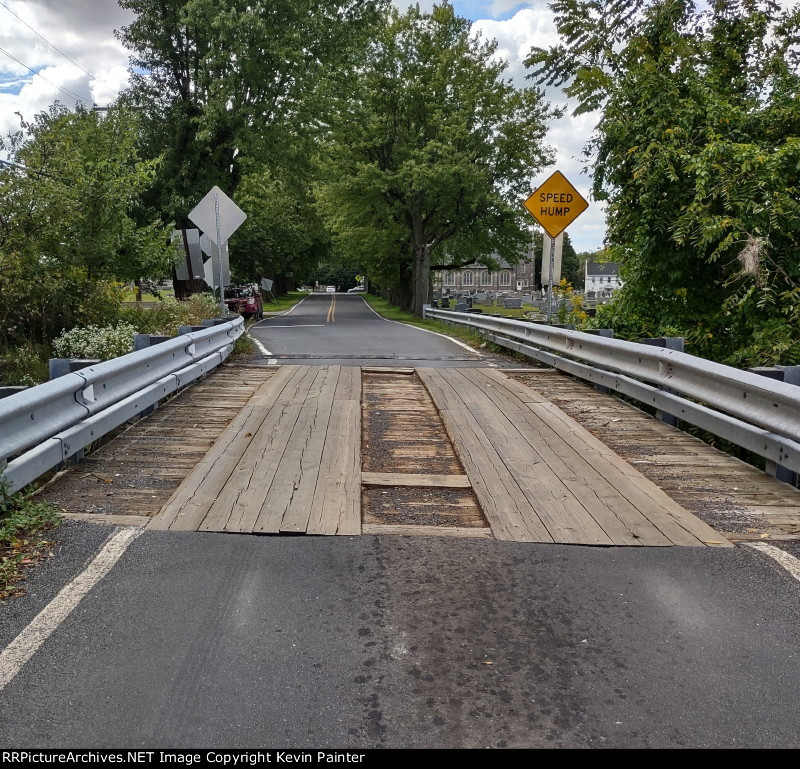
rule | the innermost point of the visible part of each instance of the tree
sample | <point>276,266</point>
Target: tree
<point>226,86</point>
<point>428,161</point>
<point>67,223</point>
<point>697,153</point>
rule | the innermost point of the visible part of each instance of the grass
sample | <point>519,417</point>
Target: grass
<point>387,310</point>
<point>23,540</point>
<point>284,302</point>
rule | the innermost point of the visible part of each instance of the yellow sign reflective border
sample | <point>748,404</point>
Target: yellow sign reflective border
<point>556,204</point>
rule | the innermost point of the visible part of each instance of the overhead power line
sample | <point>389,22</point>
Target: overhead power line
<point>34,72</point>
<point>54,47</point>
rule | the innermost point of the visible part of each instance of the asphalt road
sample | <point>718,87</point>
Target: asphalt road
<point>213,640</point>
<point>343,329</point>
<point>209,640</point>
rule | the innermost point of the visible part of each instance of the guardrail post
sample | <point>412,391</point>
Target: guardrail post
<point>215,322</point>
<point>63,366</point>
<point>608,333</point>
<point>670,343</point>
<point>143,341</point>
<point>425,308</point>
<point>188,329</point>
<point>780,373</point>
<point>59,367</point>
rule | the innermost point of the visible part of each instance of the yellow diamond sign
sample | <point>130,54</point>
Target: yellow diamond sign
<point>556,204</point>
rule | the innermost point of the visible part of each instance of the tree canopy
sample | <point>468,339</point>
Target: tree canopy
<point>697,153</point>
<point>69,219</point>
<point>427,161</point>
<point>226,86</point>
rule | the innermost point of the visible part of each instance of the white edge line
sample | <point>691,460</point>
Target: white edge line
<point>263,350</point>
<point>426,330</point>
<point>41,627</point>
<point>787,560</point>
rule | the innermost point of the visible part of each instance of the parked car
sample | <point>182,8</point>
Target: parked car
<point>356,290</point>
<point>246,300</point>
<point>330,289</point>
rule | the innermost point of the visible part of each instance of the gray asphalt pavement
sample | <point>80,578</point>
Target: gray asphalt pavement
<point>209,640</point>
<point>342,329</point>
<point>222,641</point>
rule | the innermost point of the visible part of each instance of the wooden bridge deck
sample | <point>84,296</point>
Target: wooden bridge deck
<point>541,477</point>
<point>291,462</point>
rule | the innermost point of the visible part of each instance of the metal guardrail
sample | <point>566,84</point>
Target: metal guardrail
<point>760,414</point>
<point>45,425</point>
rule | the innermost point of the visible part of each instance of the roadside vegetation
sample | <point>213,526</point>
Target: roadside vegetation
<point>698,157</point>
<point>24,538</point>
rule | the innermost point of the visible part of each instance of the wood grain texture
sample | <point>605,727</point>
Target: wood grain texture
<point>289,463</point>
<point>413,479</point>
<point>540,476</point>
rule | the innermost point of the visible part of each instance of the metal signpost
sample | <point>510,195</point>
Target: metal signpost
<point>555,205</point>
<point>218,217</point>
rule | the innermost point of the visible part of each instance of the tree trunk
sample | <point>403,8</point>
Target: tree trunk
<point>420,276</point>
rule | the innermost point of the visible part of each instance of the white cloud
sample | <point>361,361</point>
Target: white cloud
<point>83,30</point>
<point>516,36</point>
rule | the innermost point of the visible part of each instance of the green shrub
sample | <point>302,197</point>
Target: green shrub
<point>95,342</point>
<point>25,365</point>
<point>165,317</point>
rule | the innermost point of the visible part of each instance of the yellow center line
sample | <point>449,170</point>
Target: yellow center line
<point>332,310</point>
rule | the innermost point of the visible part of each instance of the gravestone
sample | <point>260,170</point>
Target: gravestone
<point>512,303</point>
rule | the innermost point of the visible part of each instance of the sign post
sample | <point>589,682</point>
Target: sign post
<point>555,205</point>
<point>218,217</point>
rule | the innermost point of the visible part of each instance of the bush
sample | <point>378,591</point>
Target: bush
<point>167,316</point>
<point>95,342</point>
<point>25,365</point>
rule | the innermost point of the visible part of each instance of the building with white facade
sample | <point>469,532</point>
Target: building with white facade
<point>602,277</point>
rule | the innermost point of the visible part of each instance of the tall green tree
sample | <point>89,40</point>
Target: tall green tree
<point>226,86</point>
<point>428,160</point>
<point>69,221</point>
<point>697,152</point>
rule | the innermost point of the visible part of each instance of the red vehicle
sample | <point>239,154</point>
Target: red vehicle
<point>246,300</point>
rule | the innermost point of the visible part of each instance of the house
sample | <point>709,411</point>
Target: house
<point>602,277</point>
<point>476,277</point>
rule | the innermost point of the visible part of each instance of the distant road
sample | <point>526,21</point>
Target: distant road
<point>343,328</point>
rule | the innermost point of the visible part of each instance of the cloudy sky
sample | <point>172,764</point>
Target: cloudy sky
<point>65,50</point>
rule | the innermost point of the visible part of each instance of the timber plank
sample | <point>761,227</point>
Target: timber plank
<point>415,479</point>
<point>545,485</point>
<point>429,531</point>
<point>223,455</point>
<point>655,504</point>
<point>336,506</point>
<point>298,509</point>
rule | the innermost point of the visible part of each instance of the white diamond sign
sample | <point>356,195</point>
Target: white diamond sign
<point>204,215</point>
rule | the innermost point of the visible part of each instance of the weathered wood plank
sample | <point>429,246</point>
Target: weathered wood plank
<point>224,454</point>
<point>298,508</point>
<point>386,370</point>
<point>493,483</point>
<point>336,507</point>
<point>108,519</point>
<point>412,479</point>
<point>658,507</point>
<point>429,531</point>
